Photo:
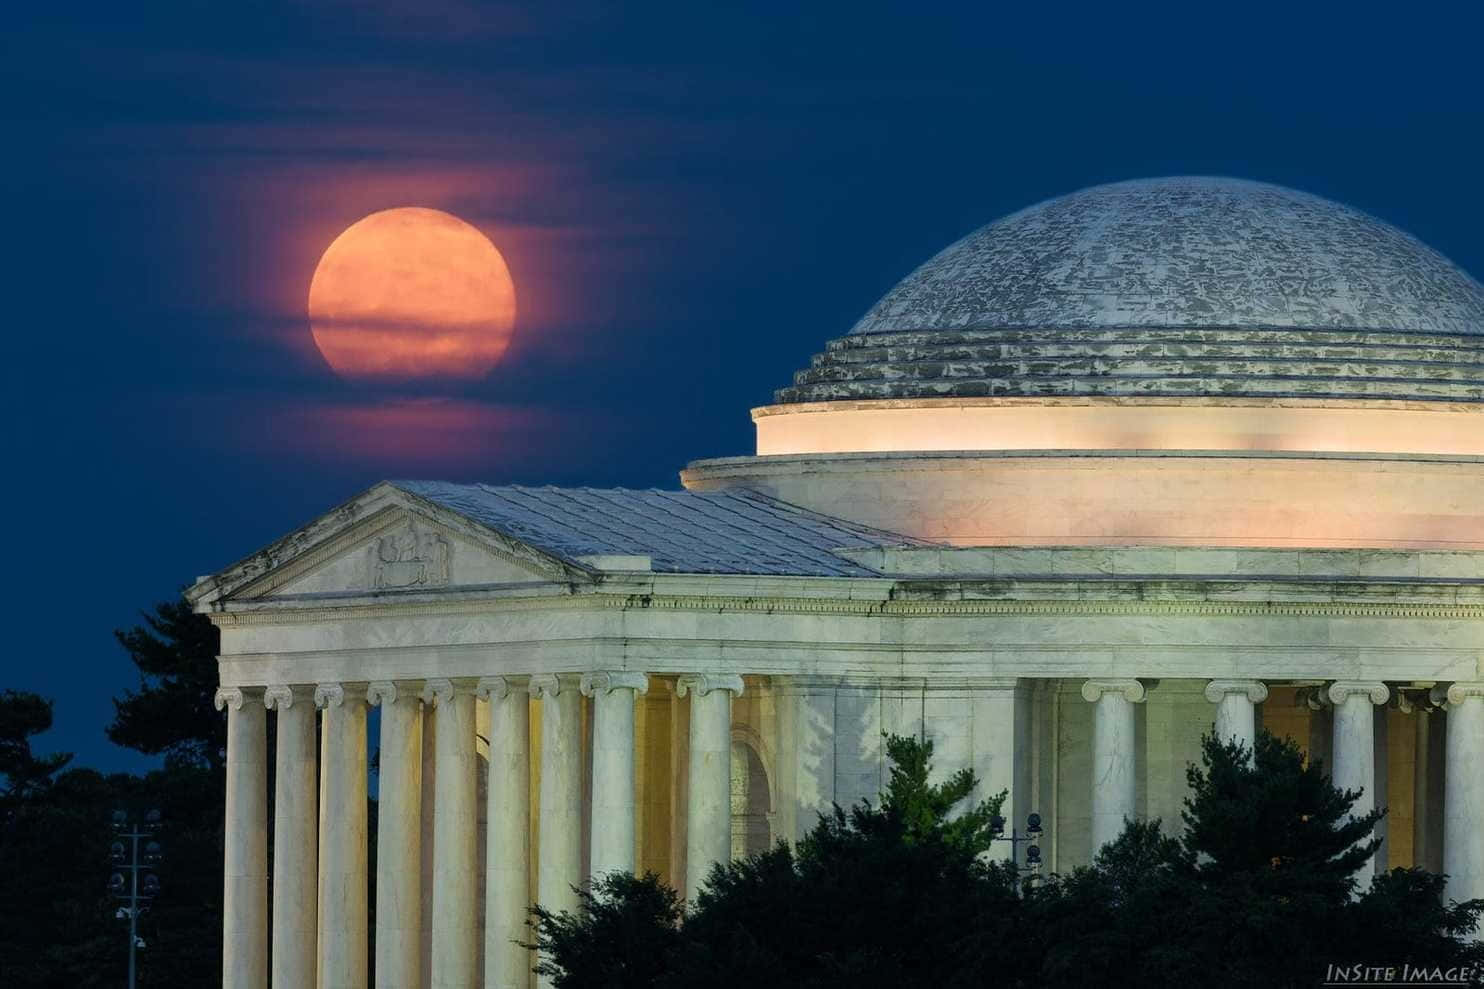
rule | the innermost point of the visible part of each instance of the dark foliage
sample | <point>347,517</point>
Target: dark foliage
<point>23,715</point>
<point>1257,892</point>
<point>172,713</point>
<point>58,924</point>
<point>622,935</point>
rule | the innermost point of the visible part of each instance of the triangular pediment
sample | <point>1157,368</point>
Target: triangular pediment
<point>385,542</point>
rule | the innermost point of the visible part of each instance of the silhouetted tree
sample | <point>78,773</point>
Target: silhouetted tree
<point>1258,891</point>
<point>22,716</point>
<point>172,713</point>
<point>622,936</point>
<point>879,895</point>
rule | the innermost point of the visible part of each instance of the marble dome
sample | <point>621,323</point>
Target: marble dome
<point>1172,287</point>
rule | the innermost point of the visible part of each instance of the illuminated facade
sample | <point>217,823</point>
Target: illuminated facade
<point>1124,465</point>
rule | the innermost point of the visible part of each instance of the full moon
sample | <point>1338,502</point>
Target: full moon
<point>412,294</point>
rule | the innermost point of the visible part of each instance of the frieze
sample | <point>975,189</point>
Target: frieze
<point>858,608</point>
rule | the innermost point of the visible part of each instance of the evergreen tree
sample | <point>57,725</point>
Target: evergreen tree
<point>622,936</point>
<point>879,895</point>
<point>1264,813</point>
<point>23,715</point>
<point>172,713</point>
<point>1259,891</point>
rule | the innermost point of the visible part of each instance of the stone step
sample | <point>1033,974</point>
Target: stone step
<point>1084,366</point>
<point>1042,348</point>
<point>1132,386</point>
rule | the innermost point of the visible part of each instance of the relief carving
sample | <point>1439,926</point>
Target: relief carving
<point>410,557</point>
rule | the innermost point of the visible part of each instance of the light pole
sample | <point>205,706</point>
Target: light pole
<point>142,885</point>
<point>1032,868</point>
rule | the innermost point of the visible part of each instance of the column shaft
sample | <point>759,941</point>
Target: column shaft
<point>343,960</point>
<point>399,837</point>
<point>1001,749</point>
<point>295,845</point>
<point>1114,759</point>
<point>455,938</point>
<point>1463,800</point>
<point>613,769</point>
<point>245,836</point>
<point>507,857</point>
<point>1236,709</point>
<point>1355,741</point>
<point>708,833</point>
<point>560,865</point>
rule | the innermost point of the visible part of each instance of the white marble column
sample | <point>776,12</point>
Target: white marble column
<point>1000,736</point>
<point>560,864</point>
<point>1427,782</point>
<point>507,895</point>
<point>455,938</point>
<point>1114,758</point>
<point>1236,710</point>
<point>708,832</point>
<point>1355,740</point>
<point>343,958</point>
<point>1463,794</point>
<point>399,919</point>
<point>612,829</point>
<point>245,838</point>
<point>295,845</point>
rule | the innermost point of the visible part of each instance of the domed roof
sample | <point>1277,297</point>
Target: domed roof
<point>1185,252</point>
<point>1185,286</point>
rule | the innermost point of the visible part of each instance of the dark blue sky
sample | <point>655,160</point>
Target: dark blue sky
<point>691,198</point>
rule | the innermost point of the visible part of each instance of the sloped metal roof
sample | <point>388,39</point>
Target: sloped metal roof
<point>722,532</point>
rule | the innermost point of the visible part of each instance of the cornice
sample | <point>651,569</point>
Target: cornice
<point>865,608</point>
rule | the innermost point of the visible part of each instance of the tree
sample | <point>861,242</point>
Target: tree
<point>23,715</point>
<point>1259,890</point>
<point>173,712</point>
<point>879,895</point>
<point>1264,813</point>
<point>57,922</point>
<point>623,934</point>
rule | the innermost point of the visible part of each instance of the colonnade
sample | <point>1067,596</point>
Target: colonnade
<point>319,924</point>
<point>1352,757</point>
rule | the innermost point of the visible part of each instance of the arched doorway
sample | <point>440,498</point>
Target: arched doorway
<point>751,803</point>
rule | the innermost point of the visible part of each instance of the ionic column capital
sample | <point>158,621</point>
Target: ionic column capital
<point>437,691</point>
<point>607,681</point>
<point>1132,690</point>
<point>498,687</point>
<point>1256,690</point>
<point>228,697</point>
<point>389,692</point>
<point>703,683</point>
<point>1373,689</point>
<point>1454,694</point>
<point>281,696</point>
<point>328,695</point>
<point>543,685</point>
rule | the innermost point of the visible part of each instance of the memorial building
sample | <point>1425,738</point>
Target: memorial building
<point>1129,464</point>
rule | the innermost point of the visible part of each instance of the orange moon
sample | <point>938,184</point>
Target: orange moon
<point>412,294</point>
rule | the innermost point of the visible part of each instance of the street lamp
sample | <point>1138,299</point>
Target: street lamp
<point>140,884</point>
<point>1032,868</point>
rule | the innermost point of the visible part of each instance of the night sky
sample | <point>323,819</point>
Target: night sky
<point>691,200</point>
